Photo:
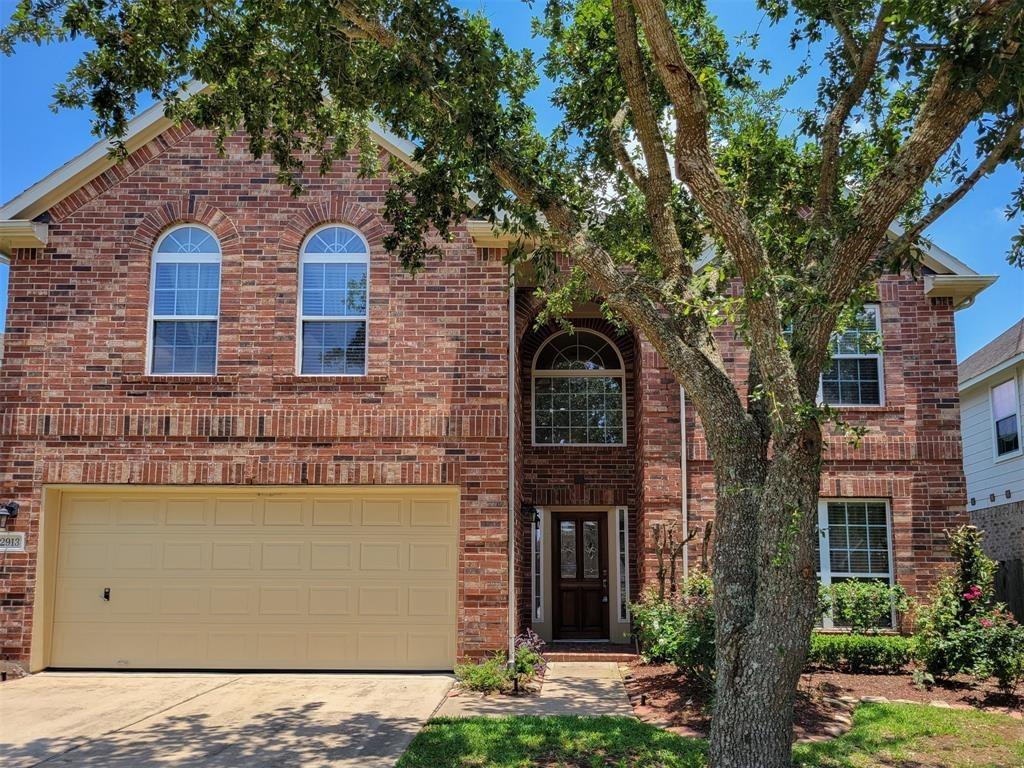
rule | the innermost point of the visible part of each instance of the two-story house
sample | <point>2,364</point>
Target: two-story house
<point>241,436</point>
<point>992,403</point>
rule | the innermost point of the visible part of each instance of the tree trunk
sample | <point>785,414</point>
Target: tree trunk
<point>765,587</point>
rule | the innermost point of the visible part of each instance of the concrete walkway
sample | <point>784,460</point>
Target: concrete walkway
<point>140,720</point>
<point>570,688</point>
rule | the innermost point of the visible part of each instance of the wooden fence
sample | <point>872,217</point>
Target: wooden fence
<point>1010,586</point>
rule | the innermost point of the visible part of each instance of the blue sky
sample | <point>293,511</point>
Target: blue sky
<point>34,141</point>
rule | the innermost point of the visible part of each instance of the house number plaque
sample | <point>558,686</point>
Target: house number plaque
<point>12,541</point>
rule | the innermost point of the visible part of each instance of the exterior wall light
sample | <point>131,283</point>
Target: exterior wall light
<point>7,511</point>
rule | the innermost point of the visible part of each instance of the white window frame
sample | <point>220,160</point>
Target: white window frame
<point>877,310</point>
<point>537,540</point>
<point>622,563</point>
<point>182,258</point>
<point>996,456</point>
<point>332,258</point>
<point>824,550</point>
<point>603,373</point>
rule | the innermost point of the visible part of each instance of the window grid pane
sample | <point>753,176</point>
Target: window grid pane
<point>183,289</point>
<point>578,410</point>
<point>184,346</point>
<point>858,540</point>
<point>854,374</point>
<point>336,347</point>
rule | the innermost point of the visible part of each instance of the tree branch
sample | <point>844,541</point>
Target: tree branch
<point>658,189</point>
<point>846,35</point>
<point>697,168</point>
<point>621,154</point>
<point>688,351</point>
<point>1009,141</point>
<point>832,132</point>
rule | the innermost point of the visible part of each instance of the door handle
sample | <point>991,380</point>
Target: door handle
<point>106,594</point>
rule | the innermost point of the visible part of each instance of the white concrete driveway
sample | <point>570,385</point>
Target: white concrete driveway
<point>133,720</point>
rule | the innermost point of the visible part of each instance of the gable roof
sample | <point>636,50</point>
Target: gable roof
<point>18,228</point>
<point>1004,350</point>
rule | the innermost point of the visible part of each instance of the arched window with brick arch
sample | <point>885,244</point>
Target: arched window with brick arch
<point>334,294</point>
<point>579,391</point>
<point>184,305</point>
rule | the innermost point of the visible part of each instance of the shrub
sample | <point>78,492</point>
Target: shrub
<point>493,674</point>
<point>860,653</point>
<point>963,629</point>
<point>863,606</point>
<point>488,676</point>
<point>679,630</point>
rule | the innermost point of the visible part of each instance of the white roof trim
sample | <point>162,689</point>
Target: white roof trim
<point>21,233</point>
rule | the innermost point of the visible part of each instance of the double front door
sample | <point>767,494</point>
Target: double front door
<point>580,575</point>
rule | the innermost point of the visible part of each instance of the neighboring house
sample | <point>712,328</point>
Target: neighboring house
<point>992,403</point>
<point>242,437</point>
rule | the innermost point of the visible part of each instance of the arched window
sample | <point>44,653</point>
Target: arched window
<point>333,299</point>
<point>185,302</point>
<point>579,393</point>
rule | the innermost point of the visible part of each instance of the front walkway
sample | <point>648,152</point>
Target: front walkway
<point>570,688</point>
<point>136,720</point>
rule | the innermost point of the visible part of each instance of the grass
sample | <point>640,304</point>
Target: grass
<point>883,736</point>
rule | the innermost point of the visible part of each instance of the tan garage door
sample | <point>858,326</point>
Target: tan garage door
<point>216,578</point>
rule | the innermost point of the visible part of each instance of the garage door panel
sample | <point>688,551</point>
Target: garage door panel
<point>228,578</point>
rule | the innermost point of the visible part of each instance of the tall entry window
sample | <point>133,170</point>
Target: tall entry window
<point>333,300</point>
<point>185,302</point>
<point>579,393</point>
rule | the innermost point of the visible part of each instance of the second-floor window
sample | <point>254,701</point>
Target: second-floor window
<point>185,302</point>
<point>854,374</point>
<point>333,302</point>
<point>1006,417</point>
<point>578,391</point>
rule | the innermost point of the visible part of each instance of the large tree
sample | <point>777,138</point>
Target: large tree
<point>670,147</point>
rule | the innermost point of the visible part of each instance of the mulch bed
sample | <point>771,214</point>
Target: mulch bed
<point>825,700</point>
<point>960,691</point>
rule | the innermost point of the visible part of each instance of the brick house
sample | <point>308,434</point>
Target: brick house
<point>241,436</point>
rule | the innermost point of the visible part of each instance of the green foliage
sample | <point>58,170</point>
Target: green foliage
<point>862,606</point>
<point>679,630</point>
<point>962,629</point>
<point>495,675</point>
<point>860,653</point>
<point>488,676</point>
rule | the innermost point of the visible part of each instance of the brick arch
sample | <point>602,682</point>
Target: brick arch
<point>339,209</point>
<point>533,338</point>
<point>184,210</point>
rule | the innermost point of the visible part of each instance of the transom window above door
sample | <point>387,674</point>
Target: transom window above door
<point>333,300</point>
<point>185,302</point>
<point>579,393</point>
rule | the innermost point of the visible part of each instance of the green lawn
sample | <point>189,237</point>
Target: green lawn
<point>883,736</point>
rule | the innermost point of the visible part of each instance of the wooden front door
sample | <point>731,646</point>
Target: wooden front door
<point>581,575</point>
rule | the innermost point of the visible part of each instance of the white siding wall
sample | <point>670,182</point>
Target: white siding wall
<point>986,476</point>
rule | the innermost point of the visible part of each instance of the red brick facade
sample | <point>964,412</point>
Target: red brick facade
<point>76,404</point>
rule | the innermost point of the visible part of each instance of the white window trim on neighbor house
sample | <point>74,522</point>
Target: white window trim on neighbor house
<point>603,373</point>
<point>996,456</point>
<point>876,311</point>
<point>153,318</point>
<point>302,318</point>
<point>825,573</point>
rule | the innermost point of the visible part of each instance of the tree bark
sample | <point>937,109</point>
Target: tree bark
<point>765,587</point>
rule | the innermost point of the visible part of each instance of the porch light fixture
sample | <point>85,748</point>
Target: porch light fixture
<point>7,511</point>
<point>529,512</point>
